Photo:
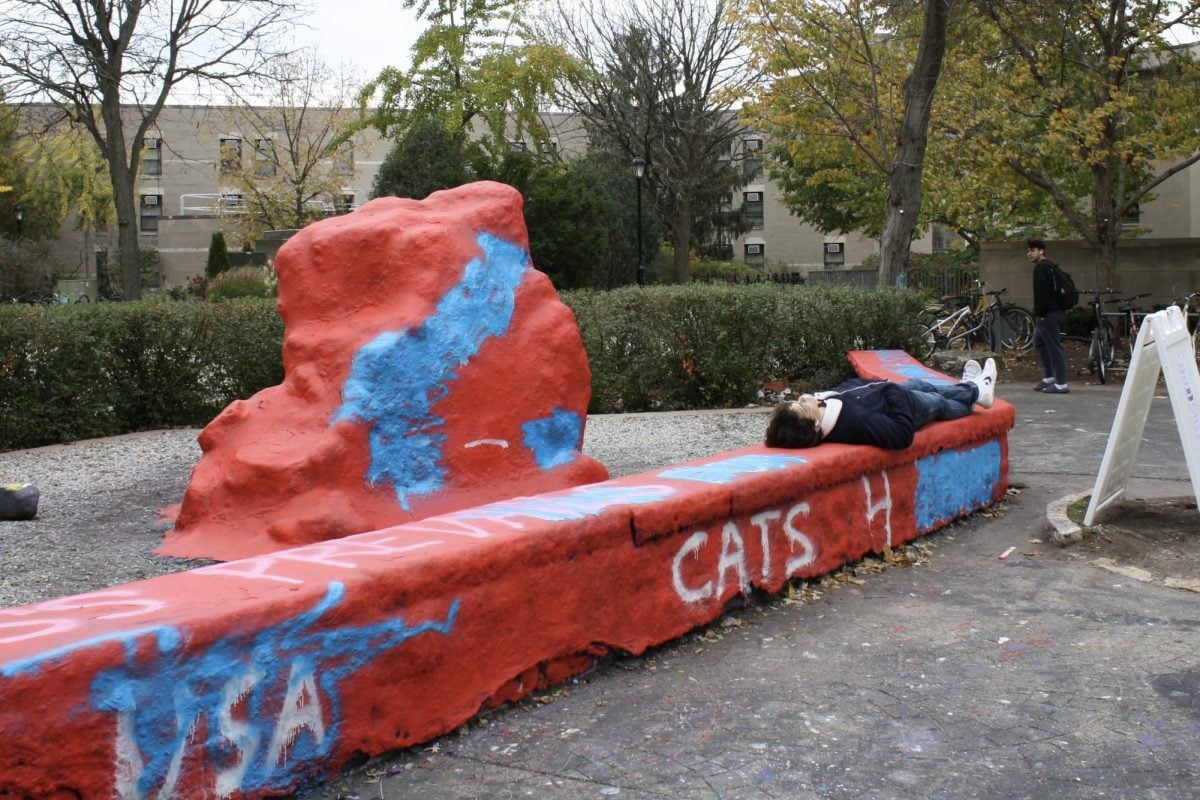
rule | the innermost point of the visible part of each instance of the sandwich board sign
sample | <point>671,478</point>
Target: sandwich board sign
<point>1162,345</point>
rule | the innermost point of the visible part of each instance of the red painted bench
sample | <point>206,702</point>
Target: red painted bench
<point>247,678</point>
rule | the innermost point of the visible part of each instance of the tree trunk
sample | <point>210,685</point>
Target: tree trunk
<point>124,201</point>
<point>682,238</point>
<point>904,181</point>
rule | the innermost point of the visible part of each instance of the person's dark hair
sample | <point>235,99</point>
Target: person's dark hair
<point>787,429</point>
<point>1037,244</point>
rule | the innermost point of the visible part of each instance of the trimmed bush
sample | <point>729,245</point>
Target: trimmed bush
<point>218,256</point>
<point>85,370</point>
<point>241,282</point>
<point>709,346</point>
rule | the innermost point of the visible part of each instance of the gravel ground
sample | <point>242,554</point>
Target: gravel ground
<point>99,514</point>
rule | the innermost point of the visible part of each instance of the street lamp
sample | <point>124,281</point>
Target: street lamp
<point>20,211</point>
<point>639,169</point>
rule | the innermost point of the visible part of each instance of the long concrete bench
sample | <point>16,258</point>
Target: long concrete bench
<point>248,678</point>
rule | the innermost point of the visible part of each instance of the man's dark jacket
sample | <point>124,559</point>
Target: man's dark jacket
<point>1045,301</point>
<point>879,413</point>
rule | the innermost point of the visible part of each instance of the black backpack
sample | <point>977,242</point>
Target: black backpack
<point>1065,292</point>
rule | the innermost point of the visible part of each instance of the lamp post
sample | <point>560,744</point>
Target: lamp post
<point>639,169</point>
<point>20,212</point>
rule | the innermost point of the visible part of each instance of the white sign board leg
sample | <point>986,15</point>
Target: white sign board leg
<point>1162,346</point>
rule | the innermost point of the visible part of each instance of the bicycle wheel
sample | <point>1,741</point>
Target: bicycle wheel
<point>1010,330</point>
<point>923,342</point>
<point>1020,322</point>
<point>1096,364</point>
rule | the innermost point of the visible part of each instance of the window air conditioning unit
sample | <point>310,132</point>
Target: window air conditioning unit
<point>151,143</point>
<point>834,247</point>
<point>753,197</point>
<point>149,199</point>
<point>753,144</point>
<point>754,249</point>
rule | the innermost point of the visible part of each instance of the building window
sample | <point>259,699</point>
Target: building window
<point>264,158</point>
<point>939,243</point>
<point>517,146</point>
<point>152,157</point>
<point>835,255</point>
<point>343,160</point>
<point>548,147</point>
<point>231,203</point>
<point>1133,217</point>
<point>346,203</point>
<point>756,254</point>
<point>150,211</point>
<point>752,208</point>
<point>752,160</point>
<point>231,157</point>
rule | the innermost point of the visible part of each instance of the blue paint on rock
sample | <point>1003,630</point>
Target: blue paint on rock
<point>955,482</point>
<point>554,440</point>
<point>729,469</point>
<point>398,376</point>
<point>580,503</point>
<point>171,696</point>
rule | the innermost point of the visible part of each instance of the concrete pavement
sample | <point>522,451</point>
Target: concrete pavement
<point>963,676</point>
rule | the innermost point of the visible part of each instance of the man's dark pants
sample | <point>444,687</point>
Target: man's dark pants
<point>1047,343</point>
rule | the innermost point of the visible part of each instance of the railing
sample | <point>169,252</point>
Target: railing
<point>223,204</point>
<point>208,204</point>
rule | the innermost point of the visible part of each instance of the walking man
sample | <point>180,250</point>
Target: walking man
<point>1047,329</point>
<point>879,413</point>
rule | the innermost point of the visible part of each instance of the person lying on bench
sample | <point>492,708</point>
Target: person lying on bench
<point>879,413</point>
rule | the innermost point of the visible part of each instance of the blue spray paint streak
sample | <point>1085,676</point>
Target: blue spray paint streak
<point>953,482</point>
<point>589,501</point>
<point>901,363</point>
<point>397,377</point>
<point>196,686</point>
<point>554,440</point>
<point>729,469</point>
<point>168,639</point>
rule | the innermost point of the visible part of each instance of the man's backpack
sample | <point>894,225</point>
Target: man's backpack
<point>1064,288</point>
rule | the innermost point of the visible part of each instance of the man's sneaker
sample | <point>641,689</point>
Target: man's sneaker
<point>986,381</point>
<point>1054,388</point>
<point>970,370</point>
<point>1041,385</point>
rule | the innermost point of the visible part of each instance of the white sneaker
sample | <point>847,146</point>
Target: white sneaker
<point>986,381</point>
<point>970,370</point>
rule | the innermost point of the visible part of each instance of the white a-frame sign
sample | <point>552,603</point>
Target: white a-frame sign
<point>1162,344</point>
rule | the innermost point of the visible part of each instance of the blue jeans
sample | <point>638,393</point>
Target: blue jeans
<point>940,401</point>
<point>1048,346</point>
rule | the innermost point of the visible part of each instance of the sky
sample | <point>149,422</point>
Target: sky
<point>365,34</point>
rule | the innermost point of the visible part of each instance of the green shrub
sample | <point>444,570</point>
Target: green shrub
<point>241,282</point>
<point>711,271</point>
<point>26,268</point>
<point>218,256</point>
<point>84,370</point>
<point>704,346</point>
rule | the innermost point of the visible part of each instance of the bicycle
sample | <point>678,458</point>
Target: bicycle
<point>1102,349</point>
<point>1129,315</point>
<point>1187,303</point>
<point>1002,326</point>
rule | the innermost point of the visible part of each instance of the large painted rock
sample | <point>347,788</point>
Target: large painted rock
<point>429,368</point>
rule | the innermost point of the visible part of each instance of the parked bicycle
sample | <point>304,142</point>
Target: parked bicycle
<point>1102,349</point>
<point>1189,304</point>
<point>980,317</point>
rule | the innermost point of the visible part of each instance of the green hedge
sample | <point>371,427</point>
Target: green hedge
<point>712,346</point>
<point>82,371</point>
<point>99,369</point>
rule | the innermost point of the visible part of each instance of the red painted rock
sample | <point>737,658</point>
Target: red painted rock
<point>428,368</point>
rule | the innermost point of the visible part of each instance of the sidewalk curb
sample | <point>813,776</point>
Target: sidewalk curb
<point>1062,530</point>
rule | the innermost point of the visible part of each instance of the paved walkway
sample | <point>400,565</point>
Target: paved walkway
<point>966,676</point>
